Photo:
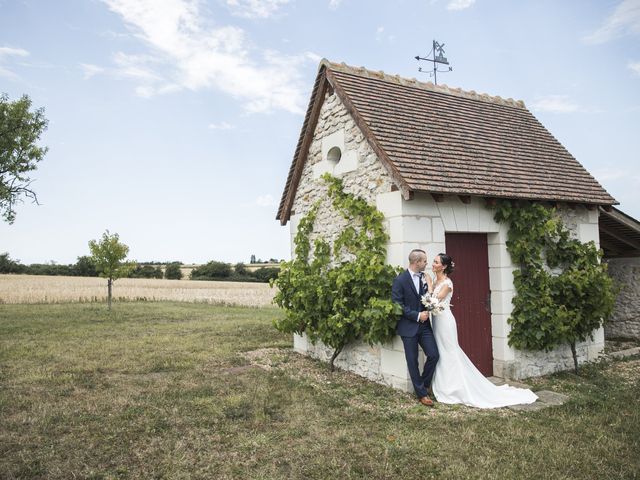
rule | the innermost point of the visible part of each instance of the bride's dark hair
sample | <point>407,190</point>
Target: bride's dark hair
<point>447,262</point>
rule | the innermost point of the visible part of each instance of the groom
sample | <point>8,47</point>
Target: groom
<point>413,325</point>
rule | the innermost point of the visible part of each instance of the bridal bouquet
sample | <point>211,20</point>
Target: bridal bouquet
<point>431,303</point>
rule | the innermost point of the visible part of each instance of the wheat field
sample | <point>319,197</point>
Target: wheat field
<point>59,289</point>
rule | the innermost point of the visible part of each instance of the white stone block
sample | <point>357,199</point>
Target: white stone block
<point>501,302</point>
<point>321,168</point>
<point>422,205</point>
<point>460,215</point>
<point>437,230</point>
<point>300,343</point>
<point>499,325</point>
<point>348,163</point>
<point>593,215</point>
<point>499,256</point>
<point>588,232</point>
<point>397,345</point>
<point>598,337</point>
<point>396,254</point>
<point>393,363</point>
<point>473,217</point>
<point>432,250</point>
<point>447,216</point>
<point>416,229</point>
<point>595,351</point>
<point>294,221</point>
<point>500,236</point>
<point>335,139</point>
<point>501,349</point>
<point>399,383</point>
<point>390,203</point>
<point>486,223</point>
<point>396,229</point>
<point>501,278</point>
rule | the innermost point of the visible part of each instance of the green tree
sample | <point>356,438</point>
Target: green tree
<point>266,274</point>
<point>173,271</point>
<point>10,266</point>
<point>563,291</point>
<point>145,271</point>
<point>109,254</point>
<point>20,129</point>
<point>211,271</point>
<point>85,267</point>
<point>240,269</point>
<point>343,295</point>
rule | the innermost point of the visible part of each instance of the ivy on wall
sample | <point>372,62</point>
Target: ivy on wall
<point>341,295</point>
<point>563,291</point>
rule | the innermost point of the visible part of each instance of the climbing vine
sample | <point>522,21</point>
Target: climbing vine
<point>563,291</point>
<point>341,295</point>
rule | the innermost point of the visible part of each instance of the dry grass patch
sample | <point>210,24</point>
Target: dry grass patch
<point>31,289</point>
<point>185,390</point>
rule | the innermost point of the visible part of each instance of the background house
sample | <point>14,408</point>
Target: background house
<point>434,160</point>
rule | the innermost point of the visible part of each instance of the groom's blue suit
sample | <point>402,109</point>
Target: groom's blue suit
<point>413,332</point>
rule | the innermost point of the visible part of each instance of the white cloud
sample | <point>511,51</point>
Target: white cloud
<point>138,67</point>
<point>90,70</point>
<point>186,52</point>
<point>6,52</point>
<point>459,4</point>
<point>314,57</point>
<point>266,201</point>
<point>16,52</point>
<point>634,67</point>
<point>334,4</point>
<point>255,8</point>
<point>221,126</point>
<point>555,104</point>
<point>625,19</point>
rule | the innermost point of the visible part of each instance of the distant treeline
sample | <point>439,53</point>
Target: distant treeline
<point>85,267</point>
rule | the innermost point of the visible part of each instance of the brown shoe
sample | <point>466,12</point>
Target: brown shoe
<point>426,401</point>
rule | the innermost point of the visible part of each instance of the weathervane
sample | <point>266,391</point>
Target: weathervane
<point>438,57</point>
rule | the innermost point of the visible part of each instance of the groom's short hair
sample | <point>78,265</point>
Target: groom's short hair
<point>416,254</point>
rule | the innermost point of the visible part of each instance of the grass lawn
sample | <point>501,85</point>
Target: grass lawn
<point>177,390</point>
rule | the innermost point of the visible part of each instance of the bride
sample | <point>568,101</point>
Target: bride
<point>456,379</point>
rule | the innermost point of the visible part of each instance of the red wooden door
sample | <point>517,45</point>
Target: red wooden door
<point>471,296</point>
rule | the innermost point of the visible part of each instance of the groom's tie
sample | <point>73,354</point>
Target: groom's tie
<point>420,285</point>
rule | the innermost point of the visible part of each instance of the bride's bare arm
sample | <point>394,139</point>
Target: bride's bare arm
<point>429,283</point>
<point>443,292</point>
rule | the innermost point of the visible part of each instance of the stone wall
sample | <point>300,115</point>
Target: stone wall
<point>364,176</point>
<point>362,173</point>
<point>583,225</point>
<point>340,149</point>
<point>625,320</point>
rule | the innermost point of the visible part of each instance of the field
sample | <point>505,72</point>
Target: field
<point>53,289</point>
<point>189,390</point>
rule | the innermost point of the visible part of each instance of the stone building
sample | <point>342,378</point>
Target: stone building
<point>433,160</point>
<point>620,241</point>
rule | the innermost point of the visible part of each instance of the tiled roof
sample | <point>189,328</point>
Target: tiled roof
<point>448,141</point>
<point>619,234</point>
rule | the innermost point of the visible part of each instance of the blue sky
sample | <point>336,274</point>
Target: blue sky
<point>174,122</point>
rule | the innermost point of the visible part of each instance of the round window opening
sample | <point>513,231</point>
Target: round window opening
<point>334,155</point>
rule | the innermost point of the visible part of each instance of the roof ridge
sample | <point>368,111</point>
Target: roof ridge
<point>413,82</point>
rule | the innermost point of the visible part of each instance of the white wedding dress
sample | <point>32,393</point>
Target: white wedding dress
<point>456,379</point>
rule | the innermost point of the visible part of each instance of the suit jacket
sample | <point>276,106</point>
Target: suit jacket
<point>404,293</point>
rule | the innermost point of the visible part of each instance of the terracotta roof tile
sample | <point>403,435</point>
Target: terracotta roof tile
<point>444,140</point>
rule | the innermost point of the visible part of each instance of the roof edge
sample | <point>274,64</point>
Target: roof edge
<point>413,82</point>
